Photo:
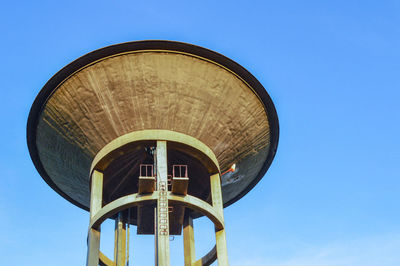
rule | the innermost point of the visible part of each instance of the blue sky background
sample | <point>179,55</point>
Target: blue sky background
<point>332,195</point>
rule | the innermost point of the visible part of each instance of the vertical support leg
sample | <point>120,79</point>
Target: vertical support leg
<point>120,241</point>
<point>96,198</point>
<point>93,252</point>
<point>162,229</point>
<point>188,240</point>
<point>155,237</point>
<point>128,237</point>
<point>220,236</point>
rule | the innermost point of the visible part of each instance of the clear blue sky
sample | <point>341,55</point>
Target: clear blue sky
<point>332,195</point>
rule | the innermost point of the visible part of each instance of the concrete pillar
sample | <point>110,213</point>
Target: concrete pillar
<point>188,240</point>
<point>96,198</point>
<point>120,241</point>
<point>162,226</point>
<point>220,236</point>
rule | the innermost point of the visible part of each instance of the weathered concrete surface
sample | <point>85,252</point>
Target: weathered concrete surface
<point>151,90</point>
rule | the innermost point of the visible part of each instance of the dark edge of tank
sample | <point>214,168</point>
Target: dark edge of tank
<point>46,92</point>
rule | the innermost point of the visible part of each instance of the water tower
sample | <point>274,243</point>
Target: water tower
<point>153,134</point>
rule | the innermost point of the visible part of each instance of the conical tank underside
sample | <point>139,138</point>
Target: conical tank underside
<point>151,85</point>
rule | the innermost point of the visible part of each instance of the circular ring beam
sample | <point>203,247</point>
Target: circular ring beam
<point>112,149</point>
<point>136,199</point>
<point>207,259</point>
<point>104,260</point>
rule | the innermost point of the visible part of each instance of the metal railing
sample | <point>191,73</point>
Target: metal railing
<point>179,170</point>
<point>146,170</point>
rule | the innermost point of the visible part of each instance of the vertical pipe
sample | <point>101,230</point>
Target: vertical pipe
<point>162,229</point>
<point>120,241</point>
<point>155,238</point>
<point>96,199</point>
<point>220,236</point>
<point>128,237</point>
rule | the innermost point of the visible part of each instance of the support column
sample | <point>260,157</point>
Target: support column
<point>120,241</point>
<point>220,236</point>
<point>188,240</point>
<point>96,198</point>
<point>162,227</point>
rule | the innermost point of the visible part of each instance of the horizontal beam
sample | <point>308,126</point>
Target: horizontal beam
<point>101,160</point>
<point>105,261</point>
<point>200,206</point>
<point>133,200</point>
<point>209,258</point>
